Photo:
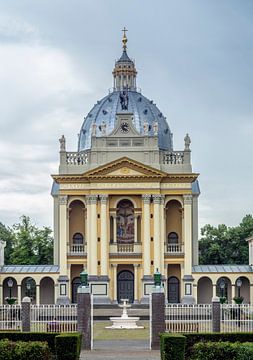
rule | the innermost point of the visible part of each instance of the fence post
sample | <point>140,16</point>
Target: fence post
<point>216,318</point>
<point>158,318</point>
<point>84,315</point>
<point>26,314</point>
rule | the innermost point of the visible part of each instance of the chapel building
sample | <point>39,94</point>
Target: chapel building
<point>125,206</point>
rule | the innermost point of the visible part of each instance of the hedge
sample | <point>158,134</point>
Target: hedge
<point>68,346</point>
<point>21,350</point>
<point>221,350</point>
<point>59,344</point>
<point>172,347</point>
<point>193,338</point>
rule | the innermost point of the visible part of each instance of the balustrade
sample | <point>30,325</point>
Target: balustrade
<point>75,249</point>
<point>175,248</point>
<point>77,158</point>
<point>173,157</point>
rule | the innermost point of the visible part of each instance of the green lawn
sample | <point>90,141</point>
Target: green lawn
<point>100,333</point>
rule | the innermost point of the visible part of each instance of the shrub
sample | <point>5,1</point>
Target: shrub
<point>192,339</point>
<point>31,336</point>
<point>20,350</point>
<point>172,346</point>
<point>221,350</point>
<point>68,346</point>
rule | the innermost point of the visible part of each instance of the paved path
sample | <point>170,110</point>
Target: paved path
<point>120,349</point>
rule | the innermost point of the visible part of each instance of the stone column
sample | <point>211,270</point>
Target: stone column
<point>104,235</point>
<point>188,233</point>
<point>88,239</point>
<point>135,228</point>
<point>114,269</point>
<point>136,283</point>
<point>216,318</point>
<point>162,234</point>
<point>158,319</point>
<point>37,294</point>
<point>157,233</point>
<point>233,289</point>
<point>115,228</point>
<point>92,223</point>
<point>214,290</point>
<point>146,234</point>
<point>251,293</point>
<point>1,294</point>
<point>63,199</point>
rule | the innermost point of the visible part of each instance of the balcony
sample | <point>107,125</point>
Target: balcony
<point>174,249</point>
<point>131,249</point>
<point>76,250</point>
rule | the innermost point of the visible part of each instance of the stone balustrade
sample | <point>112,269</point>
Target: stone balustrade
<point>76,249</point>
<point>174,248</point>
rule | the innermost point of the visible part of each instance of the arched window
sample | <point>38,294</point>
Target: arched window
<point>172,238</point>
<point>77,239</point>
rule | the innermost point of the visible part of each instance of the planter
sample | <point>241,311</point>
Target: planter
<point>223,299</point>
<point>11,301</point>
<point>238,300</point>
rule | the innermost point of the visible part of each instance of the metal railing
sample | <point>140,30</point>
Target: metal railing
<point>10,318</point>
<point>188,318</point>
<point>236,318</point>
<point>54,318</point>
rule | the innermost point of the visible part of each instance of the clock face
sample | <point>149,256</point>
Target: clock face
<point>124,127</point>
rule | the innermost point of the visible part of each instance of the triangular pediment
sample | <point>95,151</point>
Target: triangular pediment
<point>125,168</point>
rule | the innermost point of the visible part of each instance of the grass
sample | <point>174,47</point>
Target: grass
<point>100,333</point>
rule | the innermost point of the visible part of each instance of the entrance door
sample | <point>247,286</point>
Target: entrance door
<point>75,283</point>
<point>173,290</point>
<point>125,286</point>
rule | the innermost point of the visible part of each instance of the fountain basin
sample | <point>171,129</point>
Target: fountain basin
<point>124,323</point>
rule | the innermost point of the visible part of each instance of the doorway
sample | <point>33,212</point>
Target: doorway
<point>125,286</point>
<point>173,290</point>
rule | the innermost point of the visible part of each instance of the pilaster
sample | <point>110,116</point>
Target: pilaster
<point>188,234</point>
<point>92,248</point>
<point>162,234</point>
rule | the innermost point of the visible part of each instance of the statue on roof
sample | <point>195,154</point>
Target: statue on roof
<point>94,129</point>
<point>62,142</point>
<point>155,127</point>
<point>187,142</point>
<point>124,100</point>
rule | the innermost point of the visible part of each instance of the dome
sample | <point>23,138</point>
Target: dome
<point>143,109</point>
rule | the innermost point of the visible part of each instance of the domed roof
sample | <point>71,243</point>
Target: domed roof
<point>143,109</point>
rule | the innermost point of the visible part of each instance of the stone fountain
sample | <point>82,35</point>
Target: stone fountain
<point>124,321</point>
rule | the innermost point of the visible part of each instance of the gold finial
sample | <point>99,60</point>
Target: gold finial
<point>124,39</point>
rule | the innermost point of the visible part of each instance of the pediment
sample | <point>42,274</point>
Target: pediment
<point>125,168</point>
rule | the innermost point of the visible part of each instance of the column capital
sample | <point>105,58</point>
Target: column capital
<point>63,199</point>
<point>187,199</point>
<point>146,198</point>
<point>91,199</point>
<point>103,198</point>
<point>136,265</point>
<point>114,265</point>
<point>156,198</point>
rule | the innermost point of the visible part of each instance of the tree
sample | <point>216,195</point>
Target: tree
<point>225,245</point>
<point>31,245</point>
<point>6,234</point>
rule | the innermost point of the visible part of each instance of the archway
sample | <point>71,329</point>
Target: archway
<point>173,290</point>
<point>205,290</point>
<point>7,292</point>
<point>125,286</point>
<point>76,282</point>
<point>244,290</point>
<point>173,226</point>
<point>28,288</point>
<point>227,288</point>
<point>47,291</point>
<point>76,226</point>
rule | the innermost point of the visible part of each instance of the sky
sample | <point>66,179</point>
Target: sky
<point>194,59</point>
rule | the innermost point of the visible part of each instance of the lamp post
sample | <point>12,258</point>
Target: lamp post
<point>222,288</point>
<point>28,287</point>
<point>10,286</point>
<point>239,284</point>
